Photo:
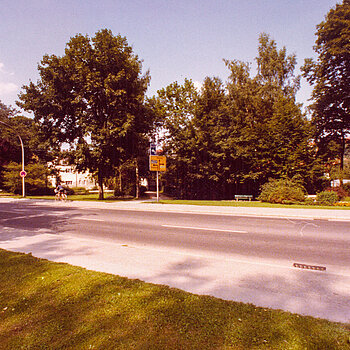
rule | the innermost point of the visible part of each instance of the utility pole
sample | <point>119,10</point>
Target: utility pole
<point>23,173</point>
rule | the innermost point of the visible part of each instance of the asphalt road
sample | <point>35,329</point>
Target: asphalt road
<point>234,257</point>
<point>315,242</point>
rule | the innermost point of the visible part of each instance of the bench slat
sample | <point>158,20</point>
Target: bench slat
<point>243,196</point>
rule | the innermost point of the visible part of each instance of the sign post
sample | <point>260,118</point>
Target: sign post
<point>157,186</point>
<point>157,163</point>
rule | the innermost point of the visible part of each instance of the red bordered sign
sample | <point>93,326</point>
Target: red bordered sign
<point>23,173</point>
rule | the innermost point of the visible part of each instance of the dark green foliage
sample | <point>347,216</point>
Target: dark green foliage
<point>327,198</point>
<point>230,138</point>
<point>35,182</point>
<point>339,190</point>
<point>346,187</point>
<point>93,98</point>
<point>78,191</point>
<point>14,128</point>
<point>283,191</point>
<point>330,75</point>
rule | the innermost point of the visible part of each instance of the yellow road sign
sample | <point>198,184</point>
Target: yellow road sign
<point>157,163</point>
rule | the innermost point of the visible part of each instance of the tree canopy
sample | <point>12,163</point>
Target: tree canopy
<point>231,137</point>
<point>330,77</point>
<point>92,98</point>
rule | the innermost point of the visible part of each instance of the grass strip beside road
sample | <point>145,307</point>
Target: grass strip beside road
<point>256,204</point>
<point>46,305</point>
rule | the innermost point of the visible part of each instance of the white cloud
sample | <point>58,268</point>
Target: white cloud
<point>1,67</point>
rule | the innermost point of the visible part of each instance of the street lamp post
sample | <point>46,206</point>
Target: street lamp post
<point>23,172</point>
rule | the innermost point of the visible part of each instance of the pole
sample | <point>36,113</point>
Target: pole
<point>157,187</point>
<point>23,182</point>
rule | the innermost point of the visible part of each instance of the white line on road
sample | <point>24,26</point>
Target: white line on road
<point>204,228</point>
<point>89,219</point>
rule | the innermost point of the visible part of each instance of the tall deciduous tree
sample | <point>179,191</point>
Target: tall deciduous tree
<point>330,76</point>
<point>176,105</point>
<point>91,97</point>
<point>229,139</point>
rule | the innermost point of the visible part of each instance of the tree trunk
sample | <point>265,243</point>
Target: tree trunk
<point>341,172</point>
<point>137,180</point>
<point>100,185</point>
<point>120,180</point>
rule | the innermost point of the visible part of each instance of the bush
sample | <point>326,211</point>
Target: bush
<point>327,198</point>
<point>79,190</point>
<point>340,191</point>
<point>284,191</point>
<point>35,182</point>
<point>347,189</point>
<point>143,190</point>
<point>310,201</point>
<point>69,191</point>
<point>118,193</point>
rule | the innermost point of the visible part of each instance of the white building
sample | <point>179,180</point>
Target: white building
<point>69,177</point>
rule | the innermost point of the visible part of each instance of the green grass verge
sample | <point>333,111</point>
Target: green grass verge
<point>46,305</point>
<point>255,204</point>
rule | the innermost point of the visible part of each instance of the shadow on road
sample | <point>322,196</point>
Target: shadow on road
<point>37,228</point>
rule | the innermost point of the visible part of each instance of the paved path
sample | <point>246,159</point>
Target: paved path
<point>274,284</point>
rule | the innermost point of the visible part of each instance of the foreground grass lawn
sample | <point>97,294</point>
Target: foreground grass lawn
<point>46,305</point>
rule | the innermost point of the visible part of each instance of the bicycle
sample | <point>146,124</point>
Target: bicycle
<point>61,196</point>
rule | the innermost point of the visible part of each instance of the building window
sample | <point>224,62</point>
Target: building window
<point>69,183</point>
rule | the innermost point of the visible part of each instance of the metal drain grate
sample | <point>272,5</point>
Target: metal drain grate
<point>309,267</point>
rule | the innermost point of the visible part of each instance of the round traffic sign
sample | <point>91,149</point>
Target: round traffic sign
<point>23,173</point>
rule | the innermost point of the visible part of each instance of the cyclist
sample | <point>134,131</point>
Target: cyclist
<point>60,191</point>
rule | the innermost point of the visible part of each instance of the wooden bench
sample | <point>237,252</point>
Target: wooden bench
<point>243,197</point>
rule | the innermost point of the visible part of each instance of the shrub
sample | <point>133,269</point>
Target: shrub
<point>327,198</point>
<point>282,191</point>
<point>346,187</point>
<point>143,190</point>
<point>118,192</point>
<point>340,191</point>
<point>310,201</point>
<point>69,191</point>
<point>79,190</point>
<point>35,182</point>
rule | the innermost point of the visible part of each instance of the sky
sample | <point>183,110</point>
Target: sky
<point>176,39</point>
